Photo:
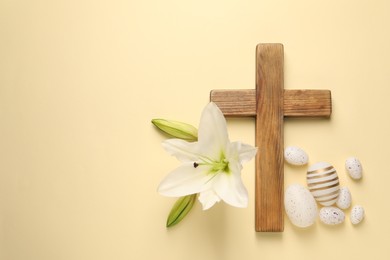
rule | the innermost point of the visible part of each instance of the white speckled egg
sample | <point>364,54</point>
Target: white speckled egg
<point>323,183</point>
<point>357,214</point>
<point>354,168</point>
<point>344,200</point>
<point>332,215</point>
<point>295,155</point>
<point>300,206</point>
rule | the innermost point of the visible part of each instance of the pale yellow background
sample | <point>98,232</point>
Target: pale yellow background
<point>80,162</point>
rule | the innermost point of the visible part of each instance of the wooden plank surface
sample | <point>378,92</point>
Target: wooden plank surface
<point>269,138</point>
<point>235,102</point>
<point>307,103</point>
<point>297,103</point>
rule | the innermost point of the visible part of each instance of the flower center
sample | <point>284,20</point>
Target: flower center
<point>222,165</point>
<point>215,166</point>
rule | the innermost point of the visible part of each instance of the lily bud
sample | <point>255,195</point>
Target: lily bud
<point>180,209</point>
<point>177,129</point>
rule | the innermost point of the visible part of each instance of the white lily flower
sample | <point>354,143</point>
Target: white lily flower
<point>211,167</point>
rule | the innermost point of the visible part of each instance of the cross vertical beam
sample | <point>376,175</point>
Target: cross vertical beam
<point>269,138</point>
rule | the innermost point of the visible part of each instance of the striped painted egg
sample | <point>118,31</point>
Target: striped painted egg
<point>323,183</point>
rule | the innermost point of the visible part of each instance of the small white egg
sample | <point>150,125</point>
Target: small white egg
<point>344,200</point>
<point>332,216</point>
<point>354,168</point>
<point>357,214</point>
<point>300,206</point>
<point>323,183</point>
<point>295,155</point>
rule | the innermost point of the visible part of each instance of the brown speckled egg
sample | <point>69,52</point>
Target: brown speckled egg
<point>300,206</point>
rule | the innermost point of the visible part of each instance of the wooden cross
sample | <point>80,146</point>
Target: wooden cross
<point>269,103</point>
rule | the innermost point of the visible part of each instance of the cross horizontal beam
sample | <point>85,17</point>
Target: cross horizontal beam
<point>297,103</point>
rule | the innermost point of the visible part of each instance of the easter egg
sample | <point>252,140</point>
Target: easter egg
<point>295,155</point>
<point>354,168</point>
<point>344,200</point>
<point>357,214</point>
<point>300,206</point>
<point>323,183</point>
<point>331,216</point>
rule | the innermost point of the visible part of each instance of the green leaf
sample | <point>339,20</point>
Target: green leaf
<point>180,209</point>
<point>177,129</point>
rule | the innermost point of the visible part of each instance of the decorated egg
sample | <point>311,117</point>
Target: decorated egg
<point>295,155</point>
<point>354,168</point>
<point>323,183</point>
<point>332,215</point>
<point>344,200</point>
<point>357,214</point>
<point>300,206</point>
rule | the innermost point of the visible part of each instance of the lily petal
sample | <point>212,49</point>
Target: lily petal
<point>184,151</point>
<point>208,198</point>
<point>185,180</point>
<point>212,134</point>
<point>229,188</point>
<point>245,152</point>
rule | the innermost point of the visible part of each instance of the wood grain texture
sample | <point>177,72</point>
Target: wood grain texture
<point>235,102</point>
<point>269,138</point>
<point>307,103</point>
<point>297,103</point>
